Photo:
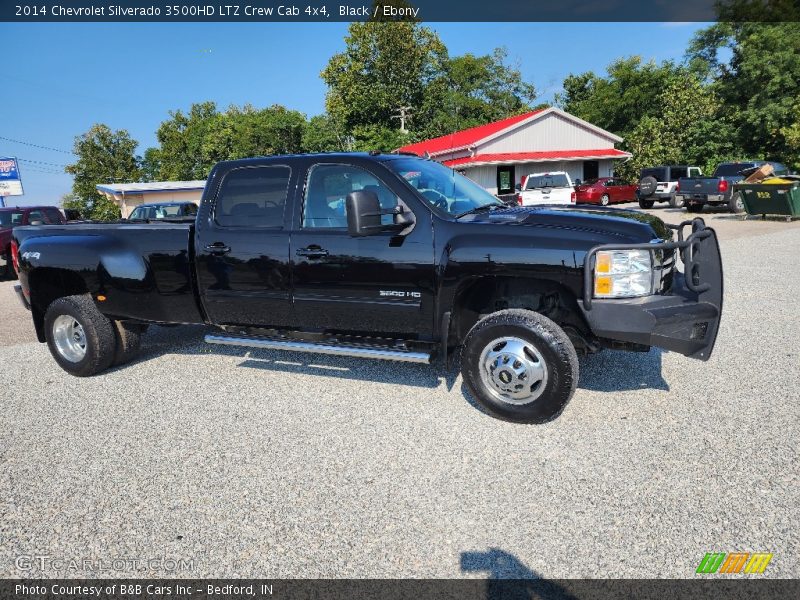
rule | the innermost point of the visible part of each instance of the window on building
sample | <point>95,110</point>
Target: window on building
<point>505,180</point>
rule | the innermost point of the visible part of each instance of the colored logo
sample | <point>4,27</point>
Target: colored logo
<point>735,562</point>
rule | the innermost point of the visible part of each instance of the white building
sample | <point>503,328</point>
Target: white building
<point>498,155</point>
<point>130,195</point>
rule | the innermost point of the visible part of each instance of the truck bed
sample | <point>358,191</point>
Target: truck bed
<point>144,271</point>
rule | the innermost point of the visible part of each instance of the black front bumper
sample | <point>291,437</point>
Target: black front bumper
<point>685,320</point>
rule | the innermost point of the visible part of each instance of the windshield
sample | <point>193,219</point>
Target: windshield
<point>732,170</point>
<point>556,180</point>
<point>9,218</point>
<point>443,188</point>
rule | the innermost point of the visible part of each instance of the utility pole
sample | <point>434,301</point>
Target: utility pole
<point>404,115</point>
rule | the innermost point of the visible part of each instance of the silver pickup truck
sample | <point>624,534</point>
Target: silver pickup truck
<point>717,190</point>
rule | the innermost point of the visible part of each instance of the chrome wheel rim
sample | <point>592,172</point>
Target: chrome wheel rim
<point>69,338</point>
<point>513,370</point>
<point>604,200</point>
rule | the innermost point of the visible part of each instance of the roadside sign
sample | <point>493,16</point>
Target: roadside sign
<point>10,179</point>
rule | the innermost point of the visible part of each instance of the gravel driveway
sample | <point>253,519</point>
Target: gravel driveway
<point>255,463</point>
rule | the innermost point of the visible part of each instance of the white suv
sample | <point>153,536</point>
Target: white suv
<point>546,188</point>
<point>659,184</point>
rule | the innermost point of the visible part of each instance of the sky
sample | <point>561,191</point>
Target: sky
<point>59,79</point>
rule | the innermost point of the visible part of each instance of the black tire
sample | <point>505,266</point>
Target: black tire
<point>98,335</point>
<point>555,350</point>
<point>674,202</point>
<point>128,338</point>
<point>694,208</point>
<point>604,200</point>
<point>736,203</point>
<point>646,203</point>
<point>647,186</point>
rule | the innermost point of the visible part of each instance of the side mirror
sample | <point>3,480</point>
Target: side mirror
<point>363,213</point>
<point>577,181</point>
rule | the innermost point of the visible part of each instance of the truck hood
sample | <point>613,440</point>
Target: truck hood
<point>617,225</point>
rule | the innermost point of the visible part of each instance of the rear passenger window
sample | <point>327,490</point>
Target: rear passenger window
<point>253,197</point>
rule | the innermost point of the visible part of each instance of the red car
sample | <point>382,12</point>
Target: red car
<point>11,217</point>
<point>605,191</point>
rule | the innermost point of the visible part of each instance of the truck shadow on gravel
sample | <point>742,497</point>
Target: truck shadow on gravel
<point>159,341</point>
<point>607,371</point>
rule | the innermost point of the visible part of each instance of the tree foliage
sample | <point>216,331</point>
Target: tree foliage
<point>388,65</point>
<point>191,143</point>
<point>473,90</point>
<point>754,68</point>
<point>385,65</point>
<point>104,156</point>
<point>688,130</point>
<point>625,95</point>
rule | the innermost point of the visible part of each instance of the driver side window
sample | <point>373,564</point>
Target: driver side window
<point>327,187</point>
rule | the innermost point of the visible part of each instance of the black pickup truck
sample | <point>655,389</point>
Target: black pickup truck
<point>381,256</point>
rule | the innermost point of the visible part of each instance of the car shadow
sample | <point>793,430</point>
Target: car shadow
<point>508,577</point>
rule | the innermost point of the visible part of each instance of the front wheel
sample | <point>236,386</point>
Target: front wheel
<point>80,338</point>
<point>674,202</point>
<point>646,203</point>
<point>520,366</point>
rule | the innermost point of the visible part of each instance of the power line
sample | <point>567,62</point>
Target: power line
<point>41,162</point>
<point>35,145</point>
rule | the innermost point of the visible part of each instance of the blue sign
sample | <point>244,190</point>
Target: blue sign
<point>10,178</point>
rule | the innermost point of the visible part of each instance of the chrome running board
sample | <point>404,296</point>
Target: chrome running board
<point>355,350</point>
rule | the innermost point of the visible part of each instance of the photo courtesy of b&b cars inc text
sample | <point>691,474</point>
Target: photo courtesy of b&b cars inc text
<point>400,299</point>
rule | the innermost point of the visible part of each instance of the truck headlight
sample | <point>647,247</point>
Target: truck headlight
<point>623,274</point>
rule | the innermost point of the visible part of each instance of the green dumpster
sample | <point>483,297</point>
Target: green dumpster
<point>765,198</point>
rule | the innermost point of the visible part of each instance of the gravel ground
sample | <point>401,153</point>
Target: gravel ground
<point>254,463</point>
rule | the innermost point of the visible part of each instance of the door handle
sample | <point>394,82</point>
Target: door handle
<point>218,248</point>
<point>312,252</point>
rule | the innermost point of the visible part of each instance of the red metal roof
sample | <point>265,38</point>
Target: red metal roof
<point>466,137</point>
<point>513,157</point>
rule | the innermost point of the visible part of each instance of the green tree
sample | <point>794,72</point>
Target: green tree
<point>688,130</point>
<point>384,66</point>
<point>321,134</point>
<point>754,68</point>
<point>627,94</point>
<point>470,91</point>
<point>104,156</point>
<point>191,143</point>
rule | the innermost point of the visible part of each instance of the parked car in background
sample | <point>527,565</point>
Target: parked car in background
<point>546,188</point>
<point>165,210</point>
<point>605,191</point>
<point>717,190</point>
<point>659,184</point>
<point>11,217</point>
